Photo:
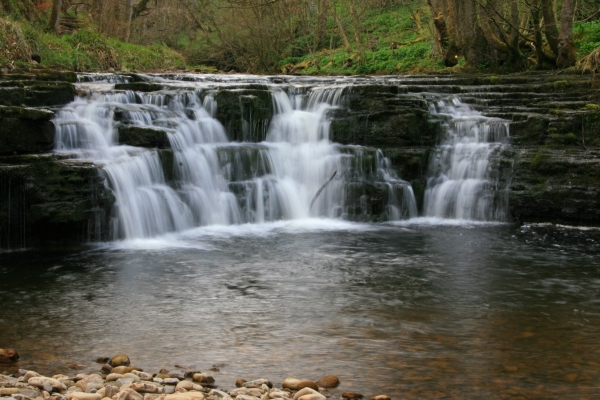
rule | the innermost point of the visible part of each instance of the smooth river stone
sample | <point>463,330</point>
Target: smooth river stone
<point>202,378</point>
<point>351,395</point>
<point>329,381</point>
<point>305,383</point>
<point>129,394</point>
<point>42,381</point>
<point>291,383</point>
<point>136,379</point>
<point>304,392</point>
<point>8,391</point>
<point>142,375</point>
<point>168,389</point>
<point>123,370</point>
<point>188,385</point>
<point>220,394</point>
<point>113,377</point>
<point>185,396</point>
<point>119,360</point>
<point>84,396</point>
<point>257,383</point>
<point>381,397</point>
<point>247,397</point>
<point>278,394</point>
<point>170,381</point>
<point>150,396</point>
<point>145,388</point>
<point>32,394</point>
<point>30,374</point>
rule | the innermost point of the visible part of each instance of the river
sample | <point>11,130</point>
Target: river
<point>425,308</point>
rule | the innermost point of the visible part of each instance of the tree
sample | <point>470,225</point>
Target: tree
<point>55,15</point>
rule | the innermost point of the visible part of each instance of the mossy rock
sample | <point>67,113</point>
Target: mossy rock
<point>25,130</point>
<point>143,136</point>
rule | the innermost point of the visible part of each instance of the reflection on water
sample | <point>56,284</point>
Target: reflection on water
<point>413,310</point>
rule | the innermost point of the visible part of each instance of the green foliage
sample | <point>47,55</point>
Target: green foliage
<point>587,37</point>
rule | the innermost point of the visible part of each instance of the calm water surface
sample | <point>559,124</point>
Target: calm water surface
<point>414,310</point>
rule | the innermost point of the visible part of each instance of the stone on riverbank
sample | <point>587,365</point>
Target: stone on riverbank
<point>329,381</point>
<point>8,355</point>
<point>43,382</point>
<point>203,378</point>
<point>381,397</point>
<point>119,360</point>
<point>352,395</point>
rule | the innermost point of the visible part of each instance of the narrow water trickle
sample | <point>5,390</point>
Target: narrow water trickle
<point>463,181</point>
<point>204,179</point>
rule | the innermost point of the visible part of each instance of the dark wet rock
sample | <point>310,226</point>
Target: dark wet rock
<point>102,360</point>
<point>106,368</point>
<point>245,113</point>
<point>25,130</point>
<point>139,86</point>
<point>143,136</point>
<point>8,355</point>
<point>329,381</point>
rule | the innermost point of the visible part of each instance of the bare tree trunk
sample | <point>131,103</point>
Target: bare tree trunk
<point>342,33</point>
<point>535,18</point>
<point>356,27</point>
<point>321,24</point>
<point>566,56</point>
<point>129,12</point>
<point>55,16</point>
<point>550,25</point>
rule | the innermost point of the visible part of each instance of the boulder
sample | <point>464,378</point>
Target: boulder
<point>119,360</point>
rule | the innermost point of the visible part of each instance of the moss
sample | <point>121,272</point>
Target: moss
<point>560,85</point>
<point>143,136</point>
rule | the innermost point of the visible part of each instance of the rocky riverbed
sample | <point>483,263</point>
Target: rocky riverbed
<point>117,379</point>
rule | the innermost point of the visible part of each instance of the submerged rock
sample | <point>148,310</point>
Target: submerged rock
<point>329,381</point>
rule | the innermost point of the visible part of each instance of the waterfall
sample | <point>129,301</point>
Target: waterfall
<point>462,181</point>
<point>204,179</point>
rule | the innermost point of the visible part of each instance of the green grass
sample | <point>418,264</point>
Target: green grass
<point>587,37</point>
<point>84,50</point>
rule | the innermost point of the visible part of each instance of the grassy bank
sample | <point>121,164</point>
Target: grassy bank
<point>84,50</point>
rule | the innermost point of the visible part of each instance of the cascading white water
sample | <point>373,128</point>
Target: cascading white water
<point>215,181</point>
<point>462,184</point>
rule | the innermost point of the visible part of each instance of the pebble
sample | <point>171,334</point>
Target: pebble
<point>381,397</point>
<point>123,369</point>
<point>8,391</point>
<point>240,382</point>
<point>304,392</point>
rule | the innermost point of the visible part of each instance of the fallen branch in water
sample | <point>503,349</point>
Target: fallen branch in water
<point>321,189</point>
